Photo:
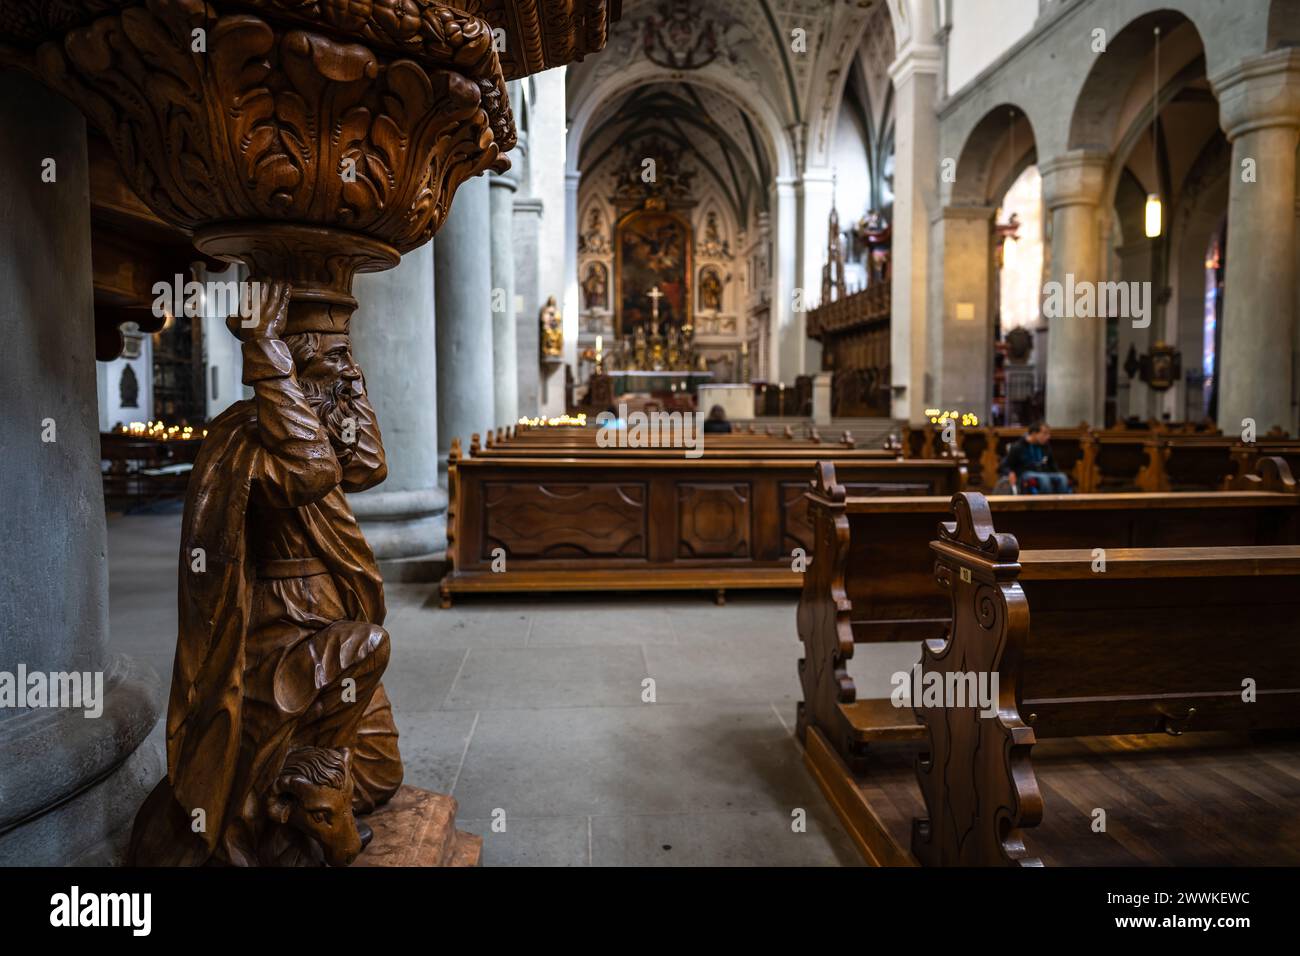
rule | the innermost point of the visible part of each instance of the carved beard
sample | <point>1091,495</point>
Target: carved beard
<point>332,403</point>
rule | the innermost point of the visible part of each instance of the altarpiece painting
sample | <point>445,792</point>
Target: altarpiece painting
<point>652,270</point>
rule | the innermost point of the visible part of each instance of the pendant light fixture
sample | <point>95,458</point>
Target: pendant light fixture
<point>1154,212</point>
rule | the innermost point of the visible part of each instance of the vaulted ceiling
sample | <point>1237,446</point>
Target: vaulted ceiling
<point>747,88</point>
<point>717,138</point>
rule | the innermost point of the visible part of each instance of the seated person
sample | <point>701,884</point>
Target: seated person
<point>1030,466</point>
<point>716,423</point>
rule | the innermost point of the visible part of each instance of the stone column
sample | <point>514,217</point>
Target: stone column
<point>1259,102</point>
<point>527,232</point>
<point>816,197</point>
<point>1076,383</point>
<point>962,349</point>
<point>786,343</point>
<point>505,359</point>
<point>1133,397</point>
<point>571,303</point>
<point>463,293</point>
<point>915,75</point>
<point>69,783</point>
<point>405,517</point>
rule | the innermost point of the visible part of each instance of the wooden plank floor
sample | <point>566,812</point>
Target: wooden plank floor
<point>1196,800</point>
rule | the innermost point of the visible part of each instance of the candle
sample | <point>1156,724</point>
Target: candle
<point>598,341</point>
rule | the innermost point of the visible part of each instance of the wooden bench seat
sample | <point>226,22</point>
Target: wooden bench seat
<point>1179,641</point>
<point>875,790</point>
<point>877,583</point>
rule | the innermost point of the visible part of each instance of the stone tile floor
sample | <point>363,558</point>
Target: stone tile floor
<point>529,711</point>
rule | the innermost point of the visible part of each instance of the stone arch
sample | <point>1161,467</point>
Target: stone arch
<point>1103,107</point>
<point>995,152</point>
<point>908,21</point>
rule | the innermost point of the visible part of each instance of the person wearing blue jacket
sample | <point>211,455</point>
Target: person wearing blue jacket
<point>1030,466</point>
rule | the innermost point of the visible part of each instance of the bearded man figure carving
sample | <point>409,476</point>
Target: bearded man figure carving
<point>281,644</point>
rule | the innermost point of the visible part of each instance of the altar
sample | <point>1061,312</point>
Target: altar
<point>651,382</point>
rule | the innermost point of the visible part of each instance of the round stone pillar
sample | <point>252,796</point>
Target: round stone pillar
<point>71,775</point>
<point>1076,370</point>
<point>1259,103</point>
<point>405,517</point>
<point>505,359</point>
<point>463,292</point>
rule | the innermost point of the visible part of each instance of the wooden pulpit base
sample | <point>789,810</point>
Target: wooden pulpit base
<point>418,828</point>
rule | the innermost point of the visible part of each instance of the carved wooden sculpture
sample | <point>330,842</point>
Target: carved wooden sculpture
<point>311,140</point>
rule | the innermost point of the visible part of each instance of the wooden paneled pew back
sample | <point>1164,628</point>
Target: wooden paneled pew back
<point>597,522</point>
<point>1067,448</point>
<point>985,447</point>
<point>1163,640</point>
<point>874,577</point>
<point>574,442</point>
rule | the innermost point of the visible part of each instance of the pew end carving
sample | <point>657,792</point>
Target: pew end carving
<point>976,807</point>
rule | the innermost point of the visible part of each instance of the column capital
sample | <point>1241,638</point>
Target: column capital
<point>1260,92</point>
<point>1075,178</point>
<point>968,212</point>
<point>506,180</point>
<point>818,176</point>
<point>916,58</point>
<point>529,204</point>
<point>572,178</point>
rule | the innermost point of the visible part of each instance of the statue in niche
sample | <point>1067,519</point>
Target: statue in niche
<point>714,246</point>
<point>552,330</point>
<point>280,737</point>
<point>594,241</point>
<point>128,388</point>
<point>710,291</point>
<point>595,286</point>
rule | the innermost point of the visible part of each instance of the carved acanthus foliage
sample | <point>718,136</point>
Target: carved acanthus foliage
<point>275,125</point>
<point>540,34</point>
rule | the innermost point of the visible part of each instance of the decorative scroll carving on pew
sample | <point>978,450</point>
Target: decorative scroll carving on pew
<point>823,616</point>
<point>976,806</point>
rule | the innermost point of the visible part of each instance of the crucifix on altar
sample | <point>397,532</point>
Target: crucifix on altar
<point>655,295</point>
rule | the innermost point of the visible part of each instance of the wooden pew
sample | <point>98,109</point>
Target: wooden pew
<point>1148,461</point>
<point>710,450</point>
<point>985,447</point>
<point>599,522</point>
<point>139,470</point>
<point>991,445</point>
<point>877,581</point>
<point>1160,642</point>
<point>576,438</point>
<point>1245,457</point>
